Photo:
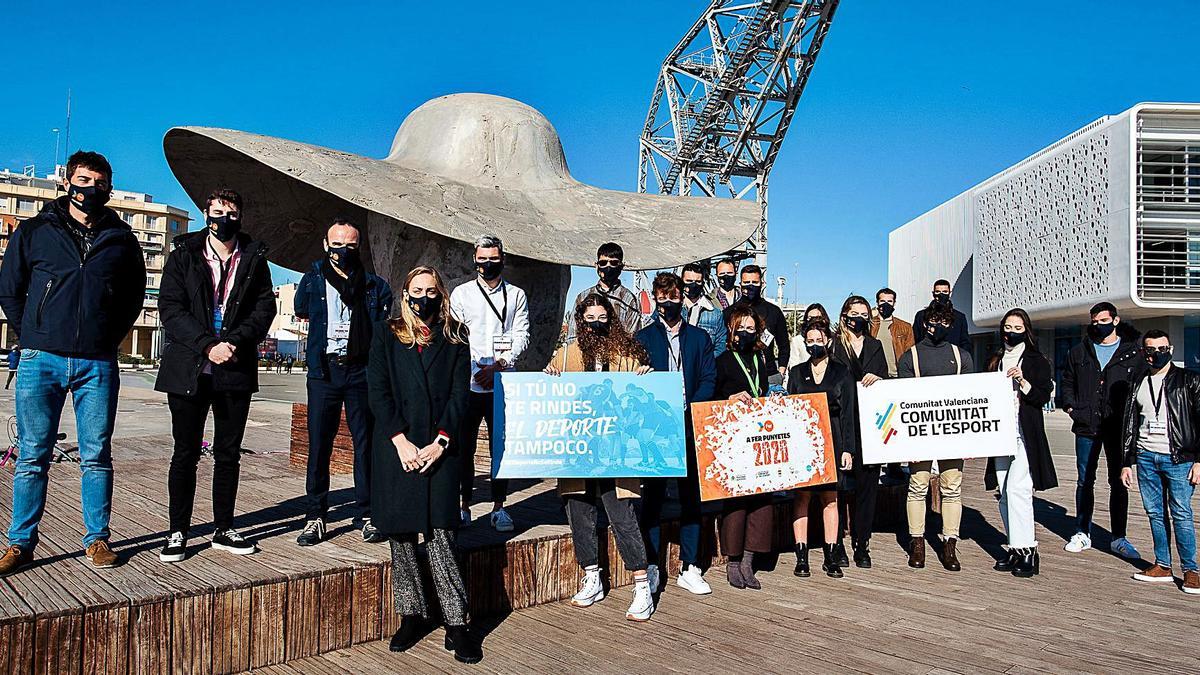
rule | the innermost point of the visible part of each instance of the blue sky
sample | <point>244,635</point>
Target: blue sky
<point>908,105</point>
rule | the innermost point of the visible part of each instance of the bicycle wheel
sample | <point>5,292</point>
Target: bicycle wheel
<point>12,430</point>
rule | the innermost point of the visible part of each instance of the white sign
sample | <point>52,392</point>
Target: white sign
<point>943,417</point>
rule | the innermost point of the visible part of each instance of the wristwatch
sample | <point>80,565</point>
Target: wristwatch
<point>443,441</point>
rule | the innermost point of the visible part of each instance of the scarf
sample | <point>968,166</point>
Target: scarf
<point>352,289</point>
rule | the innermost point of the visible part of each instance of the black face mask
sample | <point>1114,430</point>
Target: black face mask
<point>224,228</point>
<point>490,269</point>
<point>751,293</point>
<point>425,307</point>
<point>670,310</point>
<point>1099,332</point>
<point>886,309</point>
<point>744,340</point>
<point>1013,339</point>
<point>817,351</point>
<point>693,289</point>
<point>90,199</point>
<point>344,257</point>
<point>611,276</point>
<point>598,327</point>
<point>727,281</point>
<point>937,333</point>
<point>857,324</point>
<point>941,298</point>
<point>1157,359</point>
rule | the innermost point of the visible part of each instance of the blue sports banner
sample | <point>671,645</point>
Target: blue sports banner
<point>589,425</point>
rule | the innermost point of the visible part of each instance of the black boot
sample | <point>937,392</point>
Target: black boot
<point>802,561</point>
<point>412,629</point>
<point>464,644</point>
<point>862,554</point>
<point>1028,563</point>
<point>830,566</point>
<point>1008,562</point>
<point>840,550</point>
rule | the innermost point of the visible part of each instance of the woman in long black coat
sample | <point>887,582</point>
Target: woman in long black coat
<point>418,380</point>
<point>1032,467</point>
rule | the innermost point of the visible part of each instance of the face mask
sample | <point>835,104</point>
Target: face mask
<point>1158,359</point>
<point>693,290</point>
<point>598,327</point>
<point>1013,339</point>
<point>744,340</point>
<point>1100,331</point>
<point>610,275</point>
<point>751,293</point>
<point>490,269</point>
<point>343,257</point>
<point>425,307</point>
<point>937,333</point>
<point>90,199</point>
<point>817,351</point>
<point>727,281</point>
<point>226,228</point>
<point>857,324</point>
<point>886,309</point>
<point>670,310</point>
<point>941,298</point>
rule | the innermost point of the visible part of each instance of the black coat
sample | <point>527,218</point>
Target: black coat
<point>1036,370</point>
<point>185,301</point>
<point>841,395</point>
<point>957,334</point>
<point>871,360</point>
<point>1182,400</point>
<point>731,380</point>
<point>57,302</point>
<point>416,393</point>
<point>1095,399</point>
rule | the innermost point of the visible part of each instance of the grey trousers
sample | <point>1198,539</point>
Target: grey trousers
<point>407,587</point>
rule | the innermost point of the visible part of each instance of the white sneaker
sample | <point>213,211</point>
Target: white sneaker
<point>501,521</point>
<point>591,590</point>
<point>692,581</point>
<point>1079,543</point>
<point>1124,548</point>
<point>643,602</point>
<point>653,578</point>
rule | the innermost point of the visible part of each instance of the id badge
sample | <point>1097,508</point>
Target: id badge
<point>502,348</point>
<point>341,331</point>
<point>217,315</point>
<point>1157,428</point>
<point>766,337</point>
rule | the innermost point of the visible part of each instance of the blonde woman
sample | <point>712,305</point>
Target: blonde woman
<point>418,379</point>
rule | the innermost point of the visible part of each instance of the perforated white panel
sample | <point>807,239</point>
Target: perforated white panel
<point>1042,233</point>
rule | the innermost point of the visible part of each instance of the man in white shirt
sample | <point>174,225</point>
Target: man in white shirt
<point>497,315</point>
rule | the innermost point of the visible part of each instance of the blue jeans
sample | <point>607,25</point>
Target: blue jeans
<point>1159,477</point>
<point>41,392</point>
<point>1087,457</point>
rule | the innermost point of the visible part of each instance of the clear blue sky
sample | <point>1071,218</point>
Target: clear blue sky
<point>909,103</point>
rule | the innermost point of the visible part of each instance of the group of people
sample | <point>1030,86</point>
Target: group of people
<point>414,370</point>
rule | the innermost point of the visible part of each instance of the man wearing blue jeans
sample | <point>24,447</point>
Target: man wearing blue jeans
<point>72,284</point>
<point>1160,437</point>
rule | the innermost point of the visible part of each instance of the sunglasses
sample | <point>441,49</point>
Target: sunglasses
<point>1157,350</point>
<point>607,264</point>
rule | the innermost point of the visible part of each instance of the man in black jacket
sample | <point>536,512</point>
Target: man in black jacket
<point>217,304</point>
<point>1096,385</point>
<point>958,334</point>
<point>72,284</point>
<point>776,336</point>
<point>1161,436</point>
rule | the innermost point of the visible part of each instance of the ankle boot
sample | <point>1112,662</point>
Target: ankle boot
<point>916,553</point>
<point>464,644</point>
<point>950,555</point>
<point>830,566</point>
<point>412,629</point>
<point>747,566</point>
<point>1028,563</point>
<point>1008,562</point>
<point>840,550</point>
<point>802,561</point>
<point>733,572</point>
<point>862,554</point>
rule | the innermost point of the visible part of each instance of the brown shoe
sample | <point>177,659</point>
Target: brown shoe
<point>101,555</point>
<point>1155,574</point>
<point>1191,582</point>
<point>14,560</point>
<point>916,552</point>
<point>950,555</point>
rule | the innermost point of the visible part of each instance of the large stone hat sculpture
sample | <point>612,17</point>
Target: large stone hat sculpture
<point>461,166</point>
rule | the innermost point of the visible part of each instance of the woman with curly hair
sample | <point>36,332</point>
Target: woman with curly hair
<point>418,377</point>
<point>603,344</point>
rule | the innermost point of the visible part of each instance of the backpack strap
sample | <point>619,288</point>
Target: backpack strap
<point>957,359</point>
<point>916,361</point>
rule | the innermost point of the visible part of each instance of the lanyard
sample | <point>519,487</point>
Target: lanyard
<point>500,314</point>
<point>225,267</point>
<point>1161,391</point>
<point>752,379</point>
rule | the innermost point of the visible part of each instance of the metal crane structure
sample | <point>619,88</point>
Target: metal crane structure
<point>725,98</point>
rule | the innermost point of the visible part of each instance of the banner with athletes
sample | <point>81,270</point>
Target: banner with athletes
<point>946,417</point>
<point>589,425</point>
<point>764,445</point>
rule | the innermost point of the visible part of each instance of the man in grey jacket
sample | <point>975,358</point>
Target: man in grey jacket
<point>933,355</point>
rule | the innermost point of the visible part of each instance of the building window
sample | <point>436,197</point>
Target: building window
<point>25,204</point>
<point>152,222</point>
<point>174,226</point>
<point>127,217</point>
<point>151,281</point>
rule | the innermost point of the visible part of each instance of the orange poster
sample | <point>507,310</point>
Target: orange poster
<point>767,445</point>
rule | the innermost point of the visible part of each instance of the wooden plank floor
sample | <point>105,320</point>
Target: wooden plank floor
<point>1083,614</point>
